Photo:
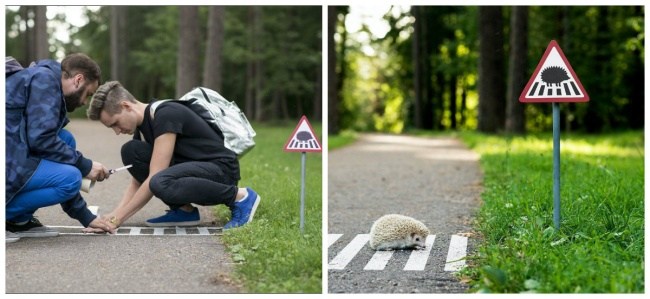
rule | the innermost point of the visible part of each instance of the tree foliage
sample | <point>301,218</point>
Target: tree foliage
<point>435,86</point>
<point>289,51</point>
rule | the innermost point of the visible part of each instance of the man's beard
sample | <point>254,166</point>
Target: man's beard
<point>73,101</point>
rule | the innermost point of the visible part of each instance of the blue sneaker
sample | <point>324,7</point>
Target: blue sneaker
<point>243,211</point>
<point>176,217</point>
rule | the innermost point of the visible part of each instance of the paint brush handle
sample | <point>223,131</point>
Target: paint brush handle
<point>112,171</point>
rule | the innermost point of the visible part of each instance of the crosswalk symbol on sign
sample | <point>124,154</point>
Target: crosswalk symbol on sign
<point>553,80</point>
<point>303,138</point>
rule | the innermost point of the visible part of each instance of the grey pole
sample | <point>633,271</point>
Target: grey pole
<point>302,194</point>
<point>556,165</point>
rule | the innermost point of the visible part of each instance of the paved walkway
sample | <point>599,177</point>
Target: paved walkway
<point>138,260</point>
<point>435,180</point>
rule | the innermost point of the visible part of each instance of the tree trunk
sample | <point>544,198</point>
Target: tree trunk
<point>212,71</point>
<point>515,120</point>
<point>332,77</point>
<point>119,48</point>
<point>188,67</point>
<point>250,65</point>
<point>259,72</point>
<point>491,105</point>
<point>41,44</point>
<point>423,106</point>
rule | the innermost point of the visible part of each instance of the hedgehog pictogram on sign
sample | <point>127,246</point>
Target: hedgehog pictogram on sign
<point>553,80</point>
<point>303,138</point>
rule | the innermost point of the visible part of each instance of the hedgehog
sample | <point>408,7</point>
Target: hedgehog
<point>395,231</point>
<point>554,75</point>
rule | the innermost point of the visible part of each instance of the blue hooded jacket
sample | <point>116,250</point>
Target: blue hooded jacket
<point>35,113</point>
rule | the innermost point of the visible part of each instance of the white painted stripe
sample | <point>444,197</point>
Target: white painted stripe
<point>203,231</point>
<point>134,231</point>
<point>332,238</point>
<point>379,260</point>
<point>181,231</point>
<point>347,254</point>
<point>418,258</point>
<point>94,209</point>
<point>159,231</point>
<point>142,235</point>
<point>457,253</point>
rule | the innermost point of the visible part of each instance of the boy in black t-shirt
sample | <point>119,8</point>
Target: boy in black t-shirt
<point>181,160</point>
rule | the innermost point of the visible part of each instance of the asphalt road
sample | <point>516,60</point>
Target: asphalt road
<point>435,180</point>
<point>138,263</point>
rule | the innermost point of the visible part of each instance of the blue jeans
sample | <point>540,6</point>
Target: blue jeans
<point>52,183</point>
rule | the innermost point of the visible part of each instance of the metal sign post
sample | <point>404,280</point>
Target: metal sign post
<point>303,140</point>
<point>554,81</point>
<point>556,165</point>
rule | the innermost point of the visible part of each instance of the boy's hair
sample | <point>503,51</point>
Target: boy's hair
<point>80,63</point>
<point>108,97</point>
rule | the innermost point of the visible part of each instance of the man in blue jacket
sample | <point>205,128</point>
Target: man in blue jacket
<point>43,168</point>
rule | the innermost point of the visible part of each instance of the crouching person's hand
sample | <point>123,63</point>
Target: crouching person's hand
<point>99,226</point>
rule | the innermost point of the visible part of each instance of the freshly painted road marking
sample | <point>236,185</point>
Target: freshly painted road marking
<point>332,238</point>
<point>347,254</point>
<point>134,231</point>
<point>379,260</point>
<point>146,231</point>
<point>417,259</point>
<point>457,253</point>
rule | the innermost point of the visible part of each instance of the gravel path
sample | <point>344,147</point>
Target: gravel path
<point>435,180</point>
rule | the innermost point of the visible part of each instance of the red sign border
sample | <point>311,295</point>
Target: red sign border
<point>313,133</point>
<point>551,45</point>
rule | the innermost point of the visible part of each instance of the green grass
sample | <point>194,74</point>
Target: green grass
<point>600,245</point>
<point>271,254</point>
<point>340,140</point>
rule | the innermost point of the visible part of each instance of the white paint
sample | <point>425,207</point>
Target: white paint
<point>332,238</point>
<point>379,260</point>
<point>347,254</point>
<point>134,231</point>
<point>456,254</point>
<point>181,231</point>
<point>159,231</point>
<point>418,258</point>
<point>203,231</point>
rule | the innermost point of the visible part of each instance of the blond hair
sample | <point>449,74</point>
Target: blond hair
<point>107,98</point>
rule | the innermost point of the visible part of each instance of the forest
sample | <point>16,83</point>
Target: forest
<point>463,68</point>
<point>265,58</point>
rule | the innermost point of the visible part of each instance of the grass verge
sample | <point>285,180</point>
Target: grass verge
<point>340,140</point>
<point>271,254</point>
<point>600,245</point>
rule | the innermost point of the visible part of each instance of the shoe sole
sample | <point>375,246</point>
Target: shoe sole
<point>257,202</point>
<point>184,223</point>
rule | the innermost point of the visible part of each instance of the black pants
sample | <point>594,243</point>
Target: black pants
<point>203,183</point>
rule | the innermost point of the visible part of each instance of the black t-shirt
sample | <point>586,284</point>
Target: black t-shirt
<point>195,139</point>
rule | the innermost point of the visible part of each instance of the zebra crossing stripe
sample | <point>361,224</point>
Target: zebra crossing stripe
<point>379,260</point>
<point>332,238</point>
<point>158,231</point>
<point>181,231</point>
<point>456,254</point>
<point>134,231</point>
<point>347,254</point>
<point>418,259</point>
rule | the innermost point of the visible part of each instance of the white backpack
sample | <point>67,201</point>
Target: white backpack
<point>223,116</point>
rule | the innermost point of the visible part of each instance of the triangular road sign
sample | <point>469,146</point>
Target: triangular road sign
<point>554,80</point>
<point>303,138</point>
